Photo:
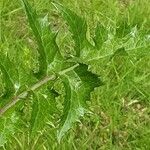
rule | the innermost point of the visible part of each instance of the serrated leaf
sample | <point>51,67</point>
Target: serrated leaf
<point>9,86</point>
<point>49,40</point>
<point>77,26</point>
<point>101,35</point>
<point>44,105</point>
<point>78,84</point>
<point>10,66</point>
<point>6,76</point>
<point>36,28</point>
<point>47,47</point>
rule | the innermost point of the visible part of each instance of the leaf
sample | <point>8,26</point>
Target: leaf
<point>8,83</point>
<point>36,28</point>
<point>47,47</point>
<point>9,86</point>
<point>101,35</point>
<point>78,84</point>
<point>44,105</point>
<point>49,40</point>
<point>78,27</point>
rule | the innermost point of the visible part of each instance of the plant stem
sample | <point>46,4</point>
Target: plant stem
<point>33,88</point>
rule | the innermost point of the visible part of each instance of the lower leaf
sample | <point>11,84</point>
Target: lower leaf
<point>78,83</point>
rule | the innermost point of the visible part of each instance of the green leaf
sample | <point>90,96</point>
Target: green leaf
<point>78,84</point>
<point>101,35</point>
<point>46,39</point>
<point>49,40</point>
<point>36,28</point>
<point>44,106</point>
<point>9,86</point>
<point>6,76</point>
<point>78,27</point>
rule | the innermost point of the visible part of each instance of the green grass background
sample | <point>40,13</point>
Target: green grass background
<point>121,107</point>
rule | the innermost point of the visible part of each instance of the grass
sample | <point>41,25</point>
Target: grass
<point>121,107</point>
